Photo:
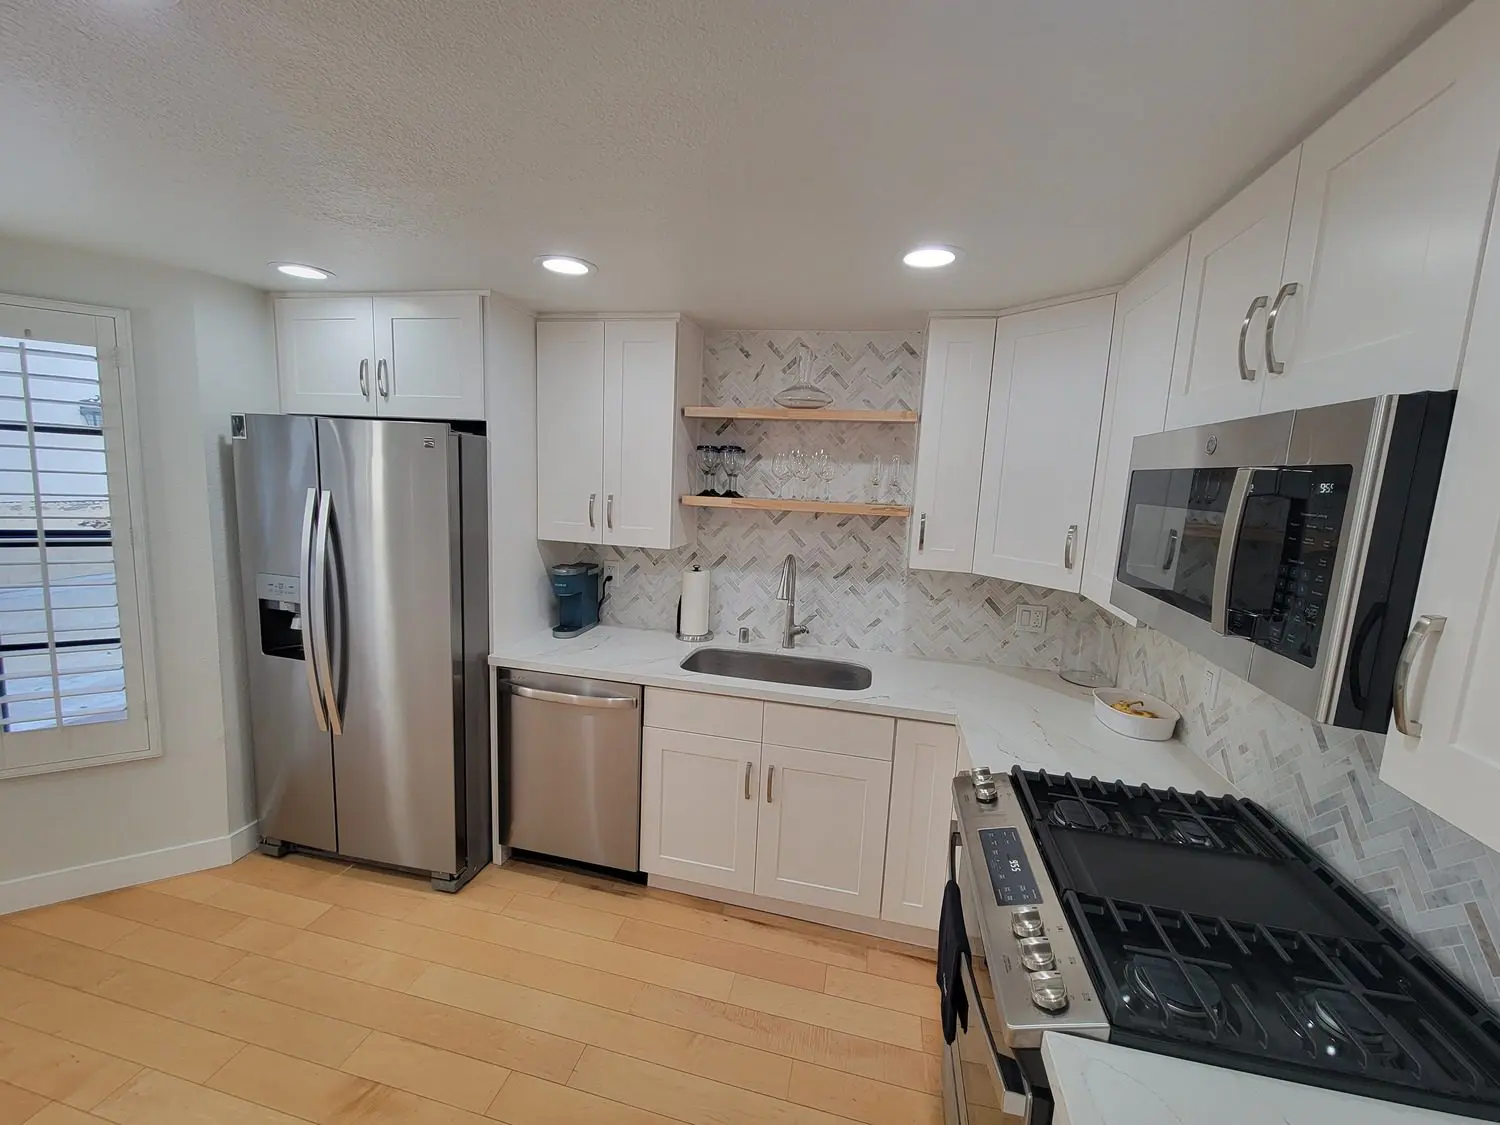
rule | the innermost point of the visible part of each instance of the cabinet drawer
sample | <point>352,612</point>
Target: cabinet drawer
<point>838,732</point>
<point>699,713</point>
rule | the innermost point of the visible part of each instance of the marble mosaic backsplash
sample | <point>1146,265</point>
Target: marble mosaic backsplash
<point>1437,883</point>
<point>853,586</point>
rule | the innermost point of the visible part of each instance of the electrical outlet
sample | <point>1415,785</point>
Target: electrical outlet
<point>1031,619</point>
<point>609,571</point>
<point>1210,688</point>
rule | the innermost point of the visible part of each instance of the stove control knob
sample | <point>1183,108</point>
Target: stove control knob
<point>1048,992</point>
<point>1027,922</point>
<point>1036,954</point>
<point>981,775</point>
<point>984,785</point>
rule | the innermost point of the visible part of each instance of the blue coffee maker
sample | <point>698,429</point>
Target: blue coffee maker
<point>577,588</point>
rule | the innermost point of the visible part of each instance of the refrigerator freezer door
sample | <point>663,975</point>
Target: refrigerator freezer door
<point>395,637</point>
<point>275,469</point>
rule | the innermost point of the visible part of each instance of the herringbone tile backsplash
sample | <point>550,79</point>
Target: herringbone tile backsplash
<point>1437,883</point>
<point>852,576</point>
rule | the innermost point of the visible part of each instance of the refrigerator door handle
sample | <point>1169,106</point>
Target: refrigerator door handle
<point>309,616</point>
<point>320,601</point>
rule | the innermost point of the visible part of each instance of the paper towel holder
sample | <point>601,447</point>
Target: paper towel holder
<point>692,638</point>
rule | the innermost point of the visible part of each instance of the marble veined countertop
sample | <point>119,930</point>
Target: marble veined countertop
<point>1105,1084</point>
<point>1006,716</point>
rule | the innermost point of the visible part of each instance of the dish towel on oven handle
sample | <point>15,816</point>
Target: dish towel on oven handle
<point>953,948</point>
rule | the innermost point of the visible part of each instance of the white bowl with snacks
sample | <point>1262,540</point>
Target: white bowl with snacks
<point>1135,714</point>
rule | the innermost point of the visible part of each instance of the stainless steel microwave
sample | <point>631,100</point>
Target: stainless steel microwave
<point>1287,548</point>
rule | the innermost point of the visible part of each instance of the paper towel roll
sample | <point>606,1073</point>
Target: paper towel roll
<point>693,618</point>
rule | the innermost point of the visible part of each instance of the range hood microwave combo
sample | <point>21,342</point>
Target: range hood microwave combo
<point>1287,548</point>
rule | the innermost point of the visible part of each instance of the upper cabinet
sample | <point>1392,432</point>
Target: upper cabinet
<point>1046,397</point>
<point>1346,271</point>
<point>1443,747</point>
<point>950,445</point>
<point>1135,403</point>
<point>613,451</point>
<point>1233,269</point>
<point>417,355</point>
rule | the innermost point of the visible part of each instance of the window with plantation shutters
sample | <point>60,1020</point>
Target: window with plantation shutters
<point>72,683</point>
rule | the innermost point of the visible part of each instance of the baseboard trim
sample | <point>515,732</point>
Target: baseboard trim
<point>838,919</point>
<point>125,871</point>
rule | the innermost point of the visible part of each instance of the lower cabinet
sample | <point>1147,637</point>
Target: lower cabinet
<point>854,819</point>
<point>699,807</point>
<point>821,835</point>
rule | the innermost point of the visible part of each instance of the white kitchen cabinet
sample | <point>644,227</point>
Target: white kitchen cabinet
<point>325,355</point>
<point>1046,398</point>
<point>1452,763</point>
<point>1393,197</point>
<point>613,450</point>
<point>699,806</point>
<point>429,356</point>
<point>570,430</point>
<point>916,849</point>
<point>1135,403</point>
<point>1233,271</point>
<point>822,834</point>
<point>415,355</point>
<point>950,445</point>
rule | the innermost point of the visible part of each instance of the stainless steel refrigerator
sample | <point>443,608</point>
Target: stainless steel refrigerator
<point>363,546</point>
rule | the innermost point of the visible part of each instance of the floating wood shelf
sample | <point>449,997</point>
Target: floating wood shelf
<point>786,414</point>
<point>772,504</point>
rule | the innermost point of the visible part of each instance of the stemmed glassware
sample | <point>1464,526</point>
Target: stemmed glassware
<point>781,469</point>
<point>818,465</point>
<point>827,471</point>
<point>877,472</point>
<point>895,488</point>
<point>733,458</point>
<point>709,457</point>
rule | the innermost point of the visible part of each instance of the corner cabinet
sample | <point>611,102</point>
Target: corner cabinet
<point>1041,439</point>
<point>613,450</point>
<point>1135,403</point>
<point>414,355</point>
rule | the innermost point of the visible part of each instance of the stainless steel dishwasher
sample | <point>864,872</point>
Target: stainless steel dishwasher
<point>571,768</point>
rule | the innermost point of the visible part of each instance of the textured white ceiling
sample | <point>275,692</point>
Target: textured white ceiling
<point>753,162</point>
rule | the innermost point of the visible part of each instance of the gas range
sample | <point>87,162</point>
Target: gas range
<point>1197,926</point>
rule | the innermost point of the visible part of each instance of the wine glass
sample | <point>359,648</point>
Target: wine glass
<point>876,472</point>
<point>895,488</point>
<point>803,468</point>
<point>828,471</point>
<point>781,469</point>
<point>708,462</point>
<point>734,461</point>
<point>817,463</point>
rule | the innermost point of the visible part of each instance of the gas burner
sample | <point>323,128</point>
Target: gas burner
<point>1344,1017</point>
<point>1183,990</point>
<point>1190,832</point>
<point>1072,813</point>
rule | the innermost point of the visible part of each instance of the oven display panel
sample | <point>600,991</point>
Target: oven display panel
<point>1010,870</point>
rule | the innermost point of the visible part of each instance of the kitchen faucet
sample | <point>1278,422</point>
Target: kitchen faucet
<point>790,630</point>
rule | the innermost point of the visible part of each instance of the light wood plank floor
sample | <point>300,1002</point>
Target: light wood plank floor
<point>300,990</point>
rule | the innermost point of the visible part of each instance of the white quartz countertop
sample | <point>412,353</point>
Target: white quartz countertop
<point>1007,717</point>
<point>1105,1084</point>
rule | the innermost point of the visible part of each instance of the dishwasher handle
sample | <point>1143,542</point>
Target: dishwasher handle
<point>619,702</point>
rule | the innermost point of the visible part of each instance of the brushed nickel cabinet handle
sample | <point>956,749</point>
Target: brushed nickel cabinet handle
<point>1068,545</point>
<point>1272,364</point>
<point>609,511</point>
<point>382,381</point>
<point>922,533</point>
<point>364,377</point>
<point>1256,305</point>
<point>770,782</point>
<point>592,497</point>
<point>1427,627</point>
<point>749,769</point>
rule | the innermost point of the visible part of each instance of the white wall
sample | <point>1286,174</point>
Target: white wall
<point>202,345</point>
<point>520,595</point>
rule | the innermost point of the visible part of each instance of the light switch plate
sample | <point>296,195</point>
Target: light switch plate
<point>1031,619</point>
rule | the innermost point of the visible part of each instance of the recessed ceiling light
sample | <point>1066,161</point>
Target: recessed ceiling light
<point>306,273</point>
<point>565,264</point>
<point>930,257</point>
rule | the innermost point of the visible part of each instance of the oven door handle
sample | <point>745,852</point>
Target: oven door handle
<point>1015,1089</point>
<point>1229,545</point>
<point>955,841</point>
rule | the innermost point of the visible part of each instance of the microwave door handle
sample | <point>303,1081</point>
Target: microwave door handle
<point>1229,545</point>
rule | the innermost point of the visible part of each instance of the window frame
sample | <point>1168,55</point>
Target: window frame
<point>140,740</point>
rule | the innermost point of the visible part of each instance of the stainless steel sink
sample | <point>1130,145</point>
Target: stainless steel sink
<point>805,671</point>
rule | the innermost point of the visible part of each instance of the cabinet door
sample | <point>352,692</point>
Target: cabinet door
<point>821,839</point>
<point>916,850</point>
<point>950,448</point>
<point>1040,443</point>
<point>698,807</point>
<point>325,355</point>
<point>429,356</point>
<point>570,430</point>
<point>1233,271</point>
<point>1135,403</point>
<point>640,420</point>
<point>1453,765</point>
<point>1393,196</point>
